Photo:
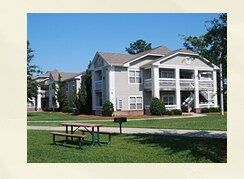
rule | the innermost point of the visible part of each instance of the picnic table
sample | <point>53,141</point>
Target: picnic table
<point>87,127</point>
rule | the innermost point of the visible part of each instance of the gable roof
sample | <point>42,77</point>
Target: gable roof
<point>64,75</point>
<point>116,58</point>
<point>175,52</point>
<point>121,59</point>
<point>181,51</point>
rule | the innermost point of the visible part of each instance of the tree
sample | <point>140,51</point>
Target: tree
<point>212,45</point>
<point>61,95</point>
<point>80,98</point>
<point>88,90</point>
<point>31,71</point>
<point>138,46</point>
<point>83,99</point>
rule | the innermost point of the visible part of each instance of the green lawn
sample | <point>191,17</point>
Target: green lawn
<point>209,122</point>
<point>49,116</point>
<point>128,149</point>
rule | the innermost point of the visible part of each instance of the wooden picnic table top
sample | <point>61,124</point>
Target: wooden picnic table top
<point>78,124</point>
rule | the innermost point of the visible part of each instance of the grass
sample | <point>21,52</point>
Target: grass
<point>53,116</point>
<point>209,122</point>
<point>128,149</point>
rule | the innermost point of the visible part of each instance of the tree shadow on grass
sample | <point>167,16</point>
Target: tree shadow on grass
<point>211,149</point>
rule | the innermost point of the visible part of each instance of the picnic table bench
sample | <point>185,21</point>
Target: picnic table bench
<point>100,132</point>
<point>80,137</point>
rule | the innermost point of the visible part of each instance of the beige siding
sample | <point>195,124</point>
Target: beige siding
<point>124,89</point>
<point>143,61</point>
<point>183,60</point>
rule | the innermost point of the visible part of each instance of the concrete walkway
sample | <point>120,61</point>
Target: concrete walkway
<point>138,119</point>
<point>175,132</point>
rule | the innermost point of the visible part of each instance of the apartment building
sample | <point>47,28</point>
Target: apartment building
<point>47,93</point>
<point>181,78</point>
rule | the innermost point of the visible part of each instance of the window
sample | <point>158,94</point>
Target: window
<point>135,76</point>
<point>135,102</point>
<point>98,75</point>
<point>73,85</point>
<point>99,99</point>
<point>168,100</point>
<point>167,74</point>
<point>119,103</point>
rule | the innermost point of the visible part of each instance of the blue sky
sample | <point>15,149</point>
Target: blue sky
<point>68,41</point>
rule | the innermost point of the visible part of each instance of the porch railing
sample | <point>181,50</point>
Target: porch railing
<point>205,84</point>
<point>185,84</point>
<point>98,85</point>
<point>167,83</point>
<point>163,83</point>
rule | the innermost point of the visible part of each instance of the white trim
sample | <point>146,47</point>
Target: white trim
<point>196,89</point>
<point>148,54</point>
<point>155,82</point>
<point>135,96</point>
<point>167,72</point>
<point>215,89</point>
<point>184,67</point>
<point>177,88</point>
<point>111,85</point>
<point>135,70</point>
<point>213,66</point>
<point>174,54</point>
<point>174,102</point>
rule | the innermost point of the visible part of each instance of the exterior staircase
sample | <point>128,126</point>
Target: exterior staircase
<point>189,102</point>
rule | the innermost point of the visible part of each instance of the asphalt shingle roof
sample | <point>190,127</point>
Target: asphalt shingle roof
<point>120,59</point>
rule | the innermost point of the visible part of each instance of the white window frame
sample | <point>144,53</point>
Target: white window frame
<point>136,103</point>
<point>167,74</point>
<point>168,96</point>
<point>135,76</point>
<point>119,103</point>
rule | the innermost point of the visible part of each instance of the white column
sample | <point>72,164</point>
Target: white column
<point>111,89</point>
<point>215,89</point>
<point>155,82</point>
<point>177,90</point>
<point>196,89</point>
<point>39,97</point>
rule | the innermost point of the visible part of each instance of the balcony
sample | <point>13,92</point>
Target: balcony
<point>167,84</point>
<point>206,85</point>
<point>98,85</point>
<point>163,84</point>
<point>185,84</point>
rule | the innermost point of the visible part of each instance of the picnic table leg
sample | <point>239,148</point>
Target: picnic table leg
<point>66,133</point>
<point>98,136</point>
<point>72,131</point>
<point>93,137</point>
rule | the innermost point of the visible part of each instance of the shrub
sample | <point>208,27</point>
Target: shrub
<point>169,112</point>
<point>173,112</point>
<point>48,109</point>
<point>67,109</point>
<point>157,107</point>
<point>207,110</point>
<point>177,112</point>
<point>108,108</point>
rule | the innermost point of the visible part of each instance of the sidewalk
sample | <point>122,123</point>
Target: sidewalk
<point>175,132</point>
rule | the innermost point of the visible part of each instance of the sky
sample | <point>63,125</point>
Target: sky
<point>69,41</point>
